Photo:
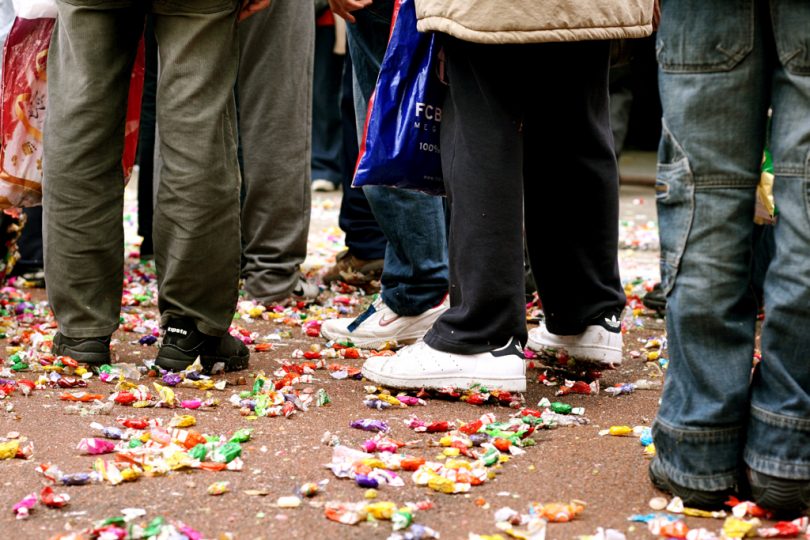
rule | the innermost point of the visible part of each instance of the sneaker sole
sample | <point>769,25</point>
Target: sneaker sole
<point>233,363</point>
<point>372,342</point>
<point>781,495</point>
<point>710,500</point>
<point>604,357</point>
<point>510,384</point>
<point>90,358</point>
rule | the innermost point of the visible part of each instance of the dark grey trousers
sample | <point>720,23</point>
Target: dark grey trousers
<point>275,115</point>
<point>196,226</point>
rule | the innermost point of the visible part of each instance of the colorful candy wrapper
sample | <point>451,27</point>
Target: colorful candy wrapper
<point>785,529</point>
<point>191,404</point>
<point>739,528</point>
<point>322,399</point>
<point>93,446</point>
<point>559,512</point>
<point>369,424</point>
<point>8,450</point>
<point>219,488</point>
<point>741,509</point>
<point>23,508</point>
<point>166,394</point>
<point>53,500</point>
<point>182,420</point>
<point>346,513</point>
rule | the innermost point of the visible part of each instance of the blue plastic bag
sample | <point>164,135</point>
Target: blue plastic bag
<point>400,146</point>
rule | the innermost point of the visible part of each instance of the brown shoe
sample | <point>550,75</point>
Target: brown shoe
<point>354,271</point>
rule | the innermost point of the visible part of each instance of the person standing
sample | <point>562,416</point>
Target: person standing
<point>415,273</point>
<point>720,430</point>
<point>196,229</point>
<point>522,150</point>
<point>275,114</point>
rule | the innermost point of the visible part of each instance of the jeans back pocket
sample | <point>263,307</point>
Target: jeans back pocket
<point>703,36</point>
<point>791,31</point>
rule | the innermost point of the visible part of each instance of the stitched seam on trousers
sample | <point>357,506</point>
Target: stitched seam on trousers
<point>780,420</point>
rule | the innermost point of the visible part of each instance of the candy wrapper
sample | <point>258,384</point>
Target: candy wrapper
<point>53,500</point>
<point>785,529</point>
<point>346,513</point>
<point>421,426</point>
<point>369,424</point>
<point>219,488</point>
<point>23,508</point>
<point>93,446</point>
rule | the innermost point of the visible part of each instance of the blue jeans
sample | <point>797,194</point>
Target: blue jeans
<point>326,127</point>
<point>415,276</point>
<point>722,65</point>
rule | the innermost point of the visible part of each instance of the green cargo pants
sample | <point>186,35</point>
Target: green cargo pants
<point>196,227</point>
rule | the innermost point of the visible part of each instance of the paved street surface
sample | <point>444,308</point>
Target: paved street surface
<point>606,473</point>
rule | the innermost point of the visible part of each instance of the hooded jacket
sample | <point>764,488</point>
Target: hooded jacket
<point>536,21</point>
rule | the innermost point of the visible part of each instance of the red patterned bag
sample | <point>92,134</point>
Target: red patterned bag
<point>24,98</point>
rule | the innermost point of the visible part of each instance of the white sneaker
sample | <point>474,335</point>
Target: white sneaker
<point>420,366</point>
<point>305,290</point>
<point>321,184</point>
<point>379,326</point>
<point>598,344</point>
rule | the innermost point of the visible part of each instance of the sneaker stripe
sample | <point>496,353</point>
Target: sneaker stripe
<point>361,318</point>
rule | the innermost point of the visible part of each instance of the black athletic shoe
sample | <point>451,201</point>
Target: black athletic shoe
<point>692,498</point>
<point>656,300</point>
<point>788,498</point>
<point>183,343</point>
<point>94,351</point>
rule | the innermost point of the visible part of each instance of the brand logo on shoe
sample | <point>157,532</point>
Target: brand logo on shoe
<point>613,322</point>
<point>386,322</point>
<point>177,330</point>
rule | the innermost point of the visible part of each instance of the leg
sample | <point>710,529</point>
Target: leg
<point>482,160</point>
<point>567,132</point>
<point>779,429</point>
<point>364,238</point>
<point>196,225</point>
<point>415,276</point>
<point>326,125</point>
<point>576,268</point>
<point>475,342</point>
<point>709,161</point>
<point>275,100</point>
<point>84,185</point>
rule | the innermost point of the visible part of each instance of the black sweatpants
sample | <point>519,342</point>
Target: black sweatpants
<point>526,133</point>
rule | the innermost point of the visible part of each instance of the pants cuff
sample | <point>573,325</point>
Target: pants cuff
<point>706,459</point>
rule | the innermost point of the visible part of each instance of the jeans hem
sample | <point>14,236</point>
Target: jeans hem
<point>409,308</point>
<point>702,482</point>
<point>780,468</point>
<point>707,459</point>
<point>364,253</point>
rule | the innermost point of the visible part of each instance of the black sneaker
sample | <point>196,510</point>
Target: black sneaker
<point>692,498</point>
<point>788,498</point>
<point>94,351</point>
<point>656,300</point>
<point>183,343</point>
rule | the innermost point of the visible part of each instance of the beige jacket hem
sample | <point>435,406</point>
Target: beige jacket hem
<point>499,37</point>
